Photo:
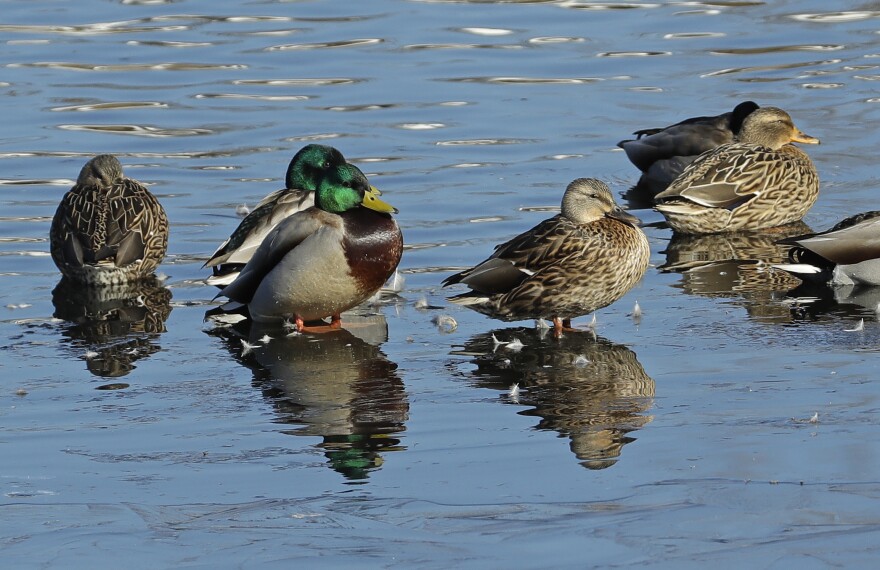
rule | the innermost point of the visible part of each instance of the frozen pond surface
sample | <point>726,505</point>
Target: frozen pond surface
<point>725,426</point>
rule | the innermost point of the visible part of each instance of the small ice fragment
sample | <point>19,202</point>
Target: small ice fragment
<point>227,319</point>
<point>90,354</point>
<point>497,342</point>
<point>581,361</point>
<point>288,325</point>
<point>514,392</point>
<point>515,345</point>
<point>637,311</point>
<point>541,324</point>
<point>266,338</point>
<point>860,326</point>
<point>815,418</point>
<point>247,347</point>
<point>242,210</point>
<point>421,304</point>
<point>13,306</point>
<point>21,392</point>
<point>445,323</point>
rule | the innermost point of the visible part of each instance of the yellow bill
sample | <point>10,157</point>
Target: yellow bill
<point>372,201</point>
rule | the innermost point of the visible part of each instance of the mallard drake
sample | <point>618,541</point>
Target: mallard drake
<point>108,229</point>
<point>304,172</point>
<point>662,154</point>
<point>847,254</point>
<point>758,182</point>
<point>323,260</point>
<point>580,260</point>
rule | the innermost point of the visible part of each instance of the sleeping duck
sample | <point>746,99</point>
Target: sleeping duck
<point>108,229</point>
<point>662,154</point>
<point>760,181</point>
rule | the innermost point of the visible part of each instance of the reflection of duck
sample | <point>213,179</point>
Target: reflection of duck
<point>760,181</point>
<point>586,388</point>
<point>661,154</point>
<point>810,301</point>
<point>117,323</point>
<point>337,385</point>
<point>735,265</point>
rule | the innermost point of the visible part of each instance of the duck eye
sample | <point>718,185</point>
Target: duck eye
<point>325,165</point>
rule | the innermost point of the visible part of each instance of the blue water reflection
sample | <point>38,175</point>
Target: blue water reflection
<point>112,327</point>
<point>337,385</point>
<point>586,388</point>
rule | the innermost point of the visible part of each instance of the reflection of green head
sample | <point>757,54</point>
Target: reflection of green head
<point>354,455</point>
<point>309,165</point>
<point>344,187</point>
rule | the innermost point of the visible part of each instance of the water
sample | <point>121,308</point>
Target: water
<point>723,426</point>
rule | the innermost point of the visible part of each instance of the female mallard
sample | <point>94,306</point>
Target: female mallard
<point>324,260</point>
<point>569,265</point>
<point>303,174</point>
<point>759,182</point>
<point>108,229</point>
<point>662,154</point>
<point>847,254</point>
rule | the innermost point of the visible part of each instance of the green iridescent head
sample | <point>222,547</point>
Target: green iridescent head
<point>345,188</point>
<point>309,165</point>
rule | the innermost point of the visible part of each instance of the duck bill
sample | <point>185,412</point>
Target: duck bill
<point>802,137</point>
<point>375,190</point>
<point>623,216</point>
<point>372,201</point>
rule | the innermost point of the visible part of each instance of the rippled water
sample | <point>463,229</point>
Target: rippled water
<point>723,425</point>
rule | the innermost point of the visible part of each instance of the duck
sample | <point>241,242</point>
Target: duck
<point>759,181</point>
<point>569,265</point>
<point>662,154</point>
<point>108,229</point>
<point>304,172</point>
<point>323,260</point>
<point>846,254</point>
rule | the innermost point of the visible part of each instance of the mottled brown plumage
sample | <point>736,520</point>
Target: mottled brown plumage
<point>108,229</point>
<point>759,182</point>
<point>662,154</point>
<point>581,260</point>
